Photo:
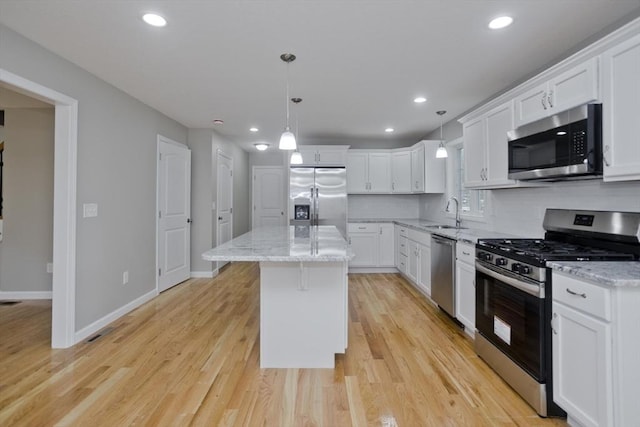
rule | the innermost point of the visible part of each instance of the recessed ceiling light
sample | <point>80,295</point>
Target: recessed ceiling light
<point>389,130</point>
<point>500,22</point>
<point>261,146</point>
<point>254,129</point>
<point>420,100</point>
<point>154,20</point>
<point>218,122</point>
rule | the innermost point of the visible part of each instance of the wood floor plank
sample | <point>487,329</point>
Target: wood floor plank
<point>190,357</point>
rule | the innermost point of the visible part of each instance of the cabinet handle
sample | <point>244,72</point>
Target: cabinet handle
<point>553,327</point>
<point>362,228</point>
<point>544,100</point>
<point>393,186</point>
<point>604,158</point>
<point>381,231</point>
<point>583,295</point>
<point>466,253</point>
<point>474,283</point>
<point>550,99</point>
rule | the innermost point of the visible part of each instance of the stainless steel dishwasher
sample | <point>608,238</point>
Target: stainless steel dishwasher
<point>443,267</point>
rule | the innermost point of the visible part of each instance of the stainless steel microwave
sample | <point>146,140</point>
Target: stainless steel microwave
<point>566,145</point>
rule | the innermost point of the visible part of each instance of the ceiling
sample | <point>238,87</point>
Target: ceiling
<point>359,63</point>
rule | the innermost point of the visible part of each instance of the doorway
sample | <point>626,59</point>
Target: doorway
<point>64,204</point>
<point>268,198</point>
<point>224,202</point>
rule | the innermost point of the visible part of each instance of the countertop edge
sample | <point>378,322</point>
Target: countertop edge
<point>615,274</point>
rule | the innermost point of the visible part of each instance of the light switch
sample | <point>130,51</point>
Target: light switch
<point>90,210</point>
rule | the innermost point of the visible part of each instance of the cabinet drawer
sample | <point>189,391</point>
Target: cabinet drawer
<point>362,227</point>
<point>583,296</point>
<point>402,263</point>
<point>420,237</point>
<point>403,231</point>
<point>402,245</point>
<point>465,253</point>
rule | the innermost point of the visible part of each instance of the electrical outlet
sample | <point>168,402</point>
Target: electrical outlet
<point>125,277</point>
<point>49,267</point>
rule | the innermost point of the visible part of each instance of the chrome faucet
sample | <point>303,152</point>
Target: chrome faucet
<point>458,220</point>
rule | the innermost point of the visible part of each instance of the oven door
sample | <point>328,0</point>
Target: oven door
<point>510,315</point>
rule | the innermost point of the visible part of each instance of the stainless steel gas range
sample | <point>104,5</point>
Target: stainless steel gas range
<point>513,293</point>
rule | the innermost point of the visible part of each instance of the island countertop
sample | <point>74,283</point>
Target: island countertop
<point>284,244</point>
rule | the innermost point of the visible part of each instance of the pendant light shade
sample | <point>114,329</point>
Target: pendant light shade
<point>288,139</point>
<point>441,152</point>
<point>296,158</point>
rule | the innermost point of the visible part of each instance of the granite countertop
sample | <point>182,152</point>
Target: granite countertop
<point>285,244</point>
<point>464,235</point>
<point>607,273</point>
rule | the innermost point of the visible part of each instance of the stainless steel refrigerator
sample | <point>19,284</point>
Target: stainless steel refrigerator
<point>318,196</point>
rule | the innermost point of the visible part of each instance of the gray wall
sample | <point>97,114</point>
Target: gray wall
<point>117,140</point>
<point>27,244</point>
<point>205,144</point>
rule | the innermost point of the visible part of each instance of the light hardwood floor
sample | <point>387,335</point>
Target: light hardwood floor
<point>190,357</point>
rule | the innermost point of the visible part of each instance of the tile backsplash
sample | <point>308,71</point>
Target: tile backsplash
<point>383,206</point>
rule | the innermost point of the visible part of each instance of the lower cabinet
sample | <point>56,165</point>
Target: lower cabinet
<point>372,244</point>
<point>595,351</point>
<point>466,287</point>
<point>413,257</point>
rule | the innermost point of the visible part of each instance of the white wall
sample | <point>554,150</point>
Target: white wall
<point>117,140</point>
<point>27,244</point>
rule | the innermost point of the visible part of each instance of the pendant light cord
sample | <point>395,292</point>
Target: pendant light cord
<point>287,96</point>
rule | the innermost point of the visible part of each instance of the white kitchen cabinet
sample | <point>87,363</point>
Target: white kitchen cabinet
<point>413,261</point>
<point>465,287</point>
<point>402,247</point>
<point>621,110</point>
<point>417,267</point>
<point>401,171</point>
<point>368,172</point>
<point>595,351</point>
<point>323,155</point>
<point>372,244</point>
<point>417,168</point>
<point>576,86</point>
<point>424,268</point>
<point>486,158</point>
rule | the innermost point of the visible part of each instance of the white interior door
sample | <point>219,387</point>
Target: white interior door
<point>225,200</point>
<point>174,210</point>
<point>268,196</point>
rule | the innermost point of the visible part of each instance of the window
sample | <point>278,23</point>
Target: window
<point>472,202</point>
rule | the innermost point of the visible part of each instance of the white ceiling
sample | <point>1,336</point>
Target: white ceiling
<point>360,63</point>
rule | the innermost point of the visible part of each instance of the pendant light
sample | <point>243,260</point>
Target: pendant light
<point>296,157</point>
<point>287,140</point>
<point>441,152</point>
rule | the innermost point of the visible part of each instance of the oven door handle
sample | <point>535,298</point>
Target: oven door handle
<point>535,290</point>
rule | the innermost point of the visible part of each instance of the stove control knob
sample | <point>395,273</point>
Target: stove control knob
<point>516,267</point>
<point>525,270</point>
<point>485,256</point>
<point>501,261</point>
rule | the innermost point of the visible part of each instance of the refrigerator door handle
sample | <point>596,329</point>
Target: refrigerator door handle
<point>317,208</point>
<point>312,213</point>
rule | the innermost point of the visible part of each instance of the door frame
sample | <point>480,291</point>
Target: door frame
<point>219,154</point>
<point>283,202</point>
<point>164,140</point>
<point>63,295</point>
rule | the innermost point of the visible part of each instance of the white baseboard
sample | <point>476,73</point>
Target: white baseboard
<point>372,270</point>
<point>204,274</point>
<point>114,315</point>
<point>11,295</point>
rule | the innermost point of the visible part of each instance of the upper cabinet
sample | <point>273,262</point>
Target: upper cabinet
<point>368,172</point>
<point>621,111</point>
<point>323,155</point>
<point>401,171</point>
<point>486,160</point>
<point>432,178</point>
<point>576,86</point>
<point>417,168</point>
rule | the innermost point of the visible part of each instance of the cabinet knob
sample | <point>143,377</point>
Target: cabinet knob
<point>544,100</point>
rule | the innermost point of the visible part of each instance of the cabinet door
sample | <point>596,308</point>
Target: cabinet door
<point>331,157</point>
<point>474,152</point>
<point>434,177</point>
<point>379,172</point>
<point>498,122</point>
<point>357,172</point>
<point>417,169</point>
<point>531,105</point>
<point>582,368</point>
<point>309,156</point>
<point>413,261</point>
<point>401,172</point>
<point>466,295</point>
<point>386,249</point>
<point>365,249</point>
<point>574,87</point>
<point>621,127</point>
<point>424,268</point>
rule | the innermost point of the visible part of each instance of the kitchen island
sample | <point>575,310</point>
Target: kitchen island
<point>303,292</point>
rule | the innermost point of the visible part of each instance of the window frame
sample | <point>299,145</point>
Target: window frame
<point>453,165</point>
